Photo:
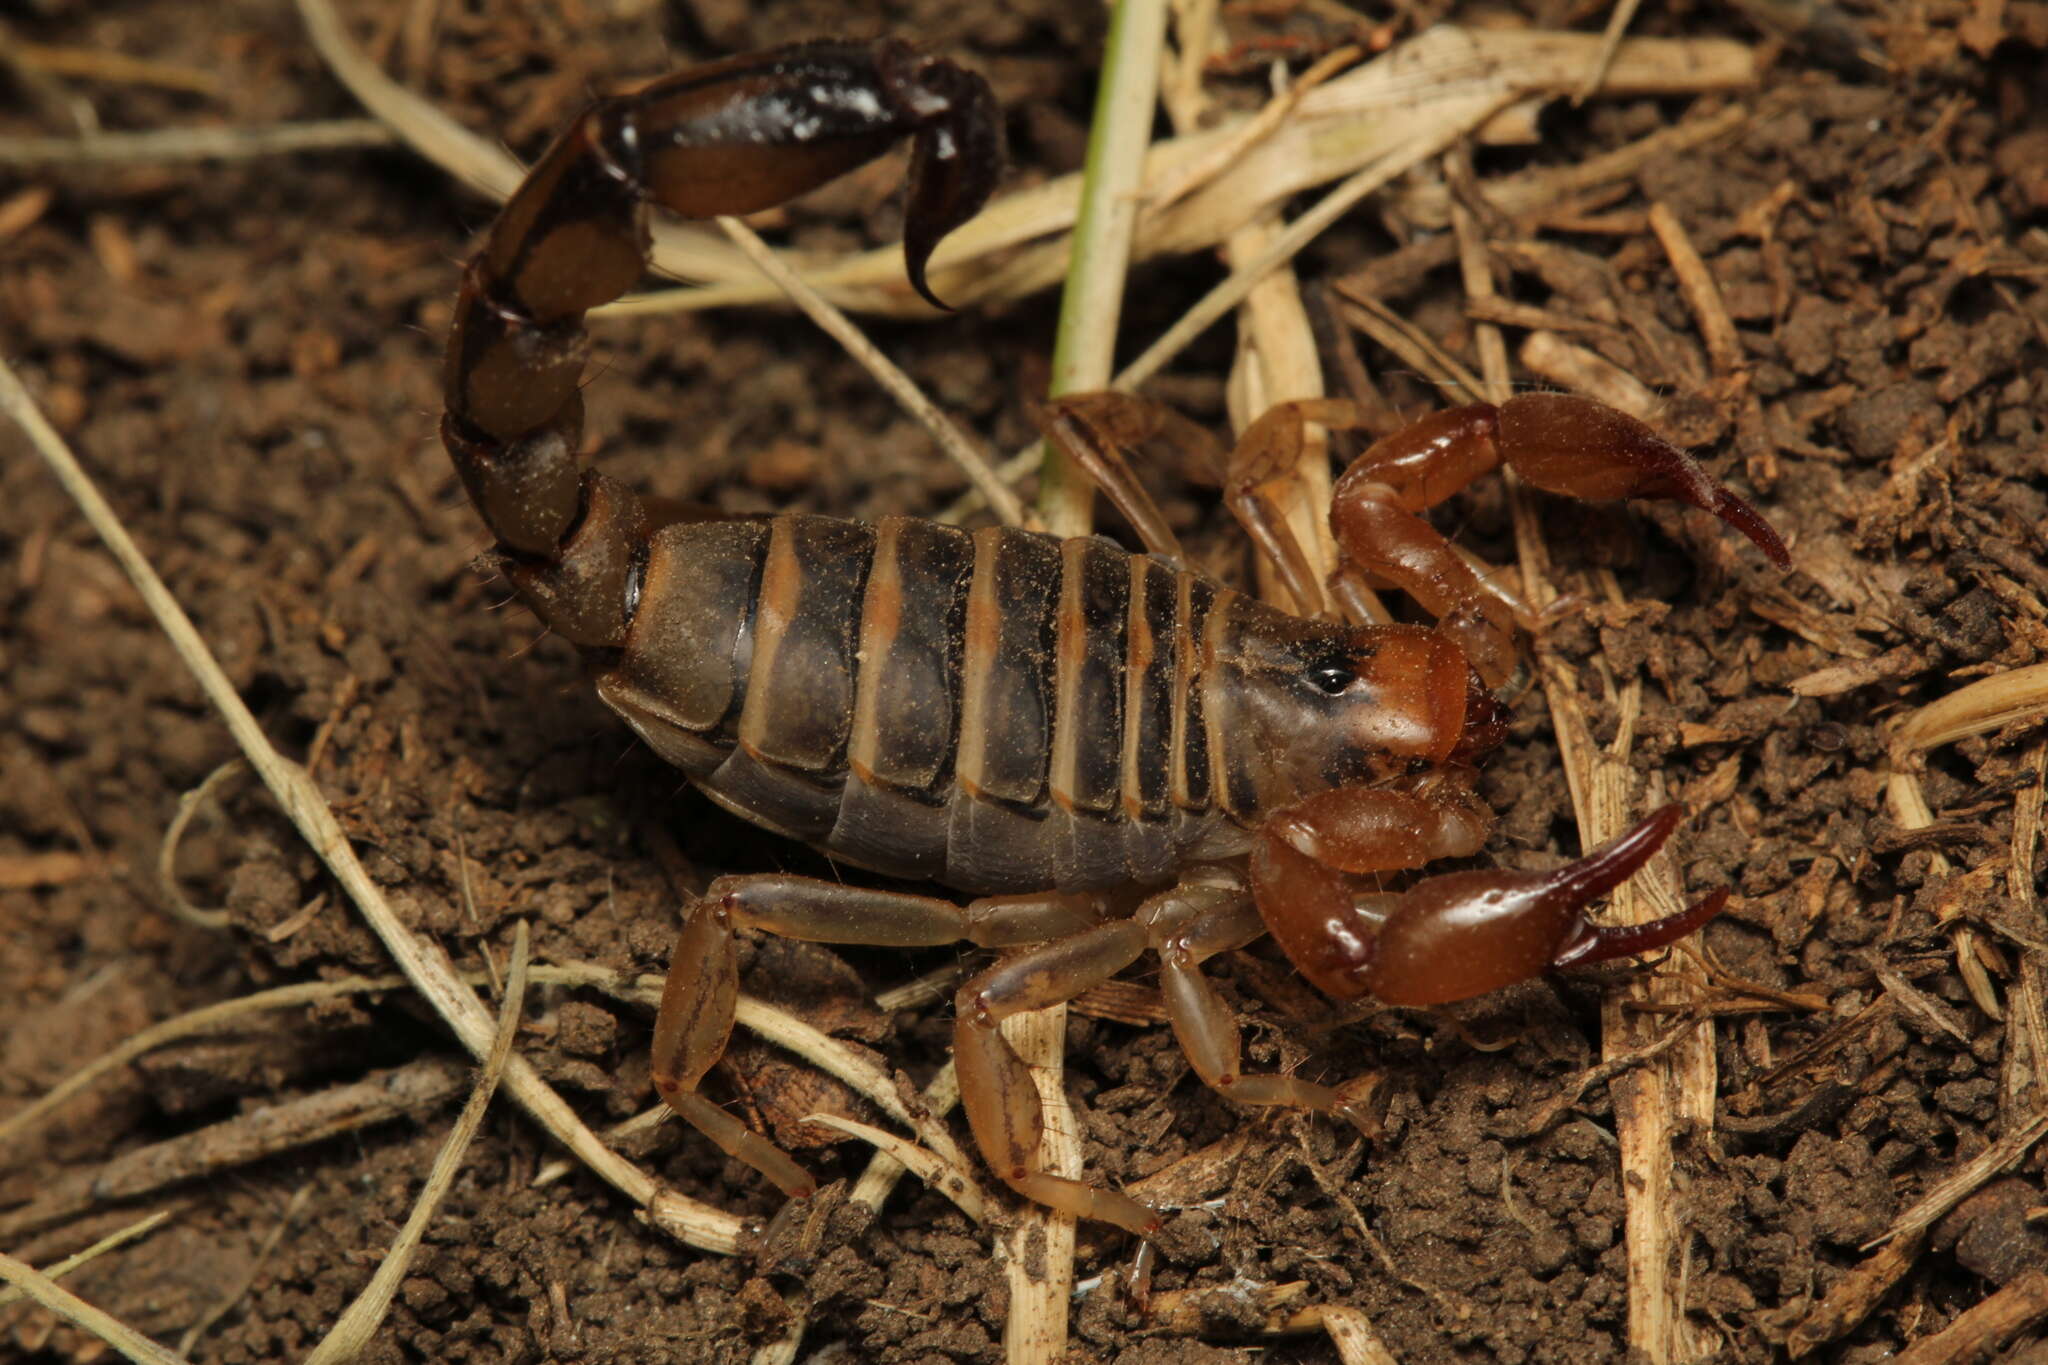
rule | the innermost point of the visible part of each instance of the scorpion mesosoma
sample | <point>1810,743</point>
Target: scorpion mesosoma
<point>1045,724</point>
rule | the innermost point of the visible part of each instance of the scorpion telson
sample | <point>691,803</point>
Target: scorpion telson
<point>1114,754</point>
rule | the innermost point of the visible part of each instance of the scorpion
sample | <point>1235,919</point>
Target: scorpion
<point>1110,752</point>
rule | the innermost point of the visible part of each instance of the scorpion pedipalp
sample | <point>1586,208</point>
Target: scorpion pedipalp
<point>1457,935</point>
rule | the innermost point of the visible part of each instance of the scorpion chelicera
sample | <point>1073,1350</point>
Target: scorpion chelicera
<point>1114,753</point>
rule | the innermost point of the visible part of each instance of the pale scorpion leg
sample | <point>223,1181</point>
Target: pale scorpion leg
<point>701,994</point>
<point>1448,937</point>
<point>1097,430</point>
<point>690,1033</point>
<point>995,1084</point>
<point>1188,925</point>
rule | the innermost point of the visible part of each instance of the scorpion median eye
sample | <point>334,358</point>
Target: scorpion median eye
<point>1331,680</point>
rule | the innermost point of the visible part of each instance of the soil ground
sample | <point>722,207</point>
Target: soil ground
<point>247,357</point>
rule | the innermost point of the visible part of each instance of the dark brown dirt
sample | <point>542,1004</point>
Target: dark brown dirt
<point>247,357</point>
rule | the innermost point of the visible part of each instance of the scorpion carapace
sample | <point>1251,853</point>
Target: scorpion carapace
<point>1115,753</point>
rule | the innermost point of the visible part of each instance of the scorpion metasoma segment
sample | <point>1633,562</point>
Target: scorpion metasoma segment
<point>1114,753</point>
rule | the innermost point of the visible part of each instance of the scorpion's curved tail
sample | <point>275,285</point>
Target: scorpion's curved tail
<point>732,137</point>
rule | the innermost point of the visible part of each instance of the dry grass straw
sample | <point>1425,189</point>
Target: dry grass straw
<point>1982,1330</point>
<point>2021,1078</point>
<point>444,142</point>
<point>1356,1341</point>
<point>189,805</point>
<point>1037,1251</point>
<point>67,1305</point>
<point>1432,120</point>
<point>1019,245</point>
<point>141,1227</point>
<point>850,1066</point>
<point>846,1063</point>
<point>104,67</point>
<point>972,460</point>
<point>948,1180</point>
<point>1987,705</point>
<point>225,1015</point>
<point>940,1097</point>
<point>422,963</point>
<point>1855,1295</point>
<point>1112,190</point>
<point>1675,1093</point>
<point>1277,357</point>
<point>1675,1082</point>
<point>352,1330</point>
<point>160,146</point>
<point>233,1142</point>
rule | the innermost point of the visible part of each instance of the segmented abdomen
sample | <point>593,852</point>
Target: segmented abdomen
<point>999,711</point>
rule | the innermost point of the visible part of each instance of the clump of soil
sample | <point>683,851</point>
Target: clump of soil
<point>247,355</point>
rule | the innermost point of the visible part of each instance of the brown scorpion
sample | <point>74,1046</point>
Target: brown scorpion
<point>1114,753</point>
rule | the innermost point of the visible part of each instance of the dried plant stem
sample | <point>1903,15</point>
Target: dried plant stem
<point>1992,703</point>
<point>352,1330</point>
<point>1279,1310</point>
<point>1016,246</point>
<point>846,1064</point>
<point>1979,1331</point>
<point>884,1170</point>
<point>973,462</point>
<point>424,964</point>
<point>1038,1261</point>
<point>160,145</point>
<point>206,1019</point>
<point>1679,1083</point>
<point>926,1165</point>
<point>118,1238</point>
<point>2021,1071</point>
<point>79,1313</point>
<point>782,1350</point>
<point>1038,1252</point>
<point>2000,1156</point>
<point>237,1141</point>
<point>418,124</point>
<point>1989,704</point>
<point>190,805</point>
<point>1852,1299</point>
<point>1288,244</point>
<point>1610,40</point>
<point>1356,1341</point>
<point>1277,358</point>
<point>1084,344</point>
<point>109,67</point>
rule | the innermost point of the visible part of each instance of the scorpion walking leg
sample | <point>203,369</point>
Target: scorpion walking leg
<point>995,1085</point>
<point>702,991</point>
<point>1097,430</point>
<point>1188,925</point>
<point>690,1033</point>
<point>1453,936</point>
<point>700,996</point>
